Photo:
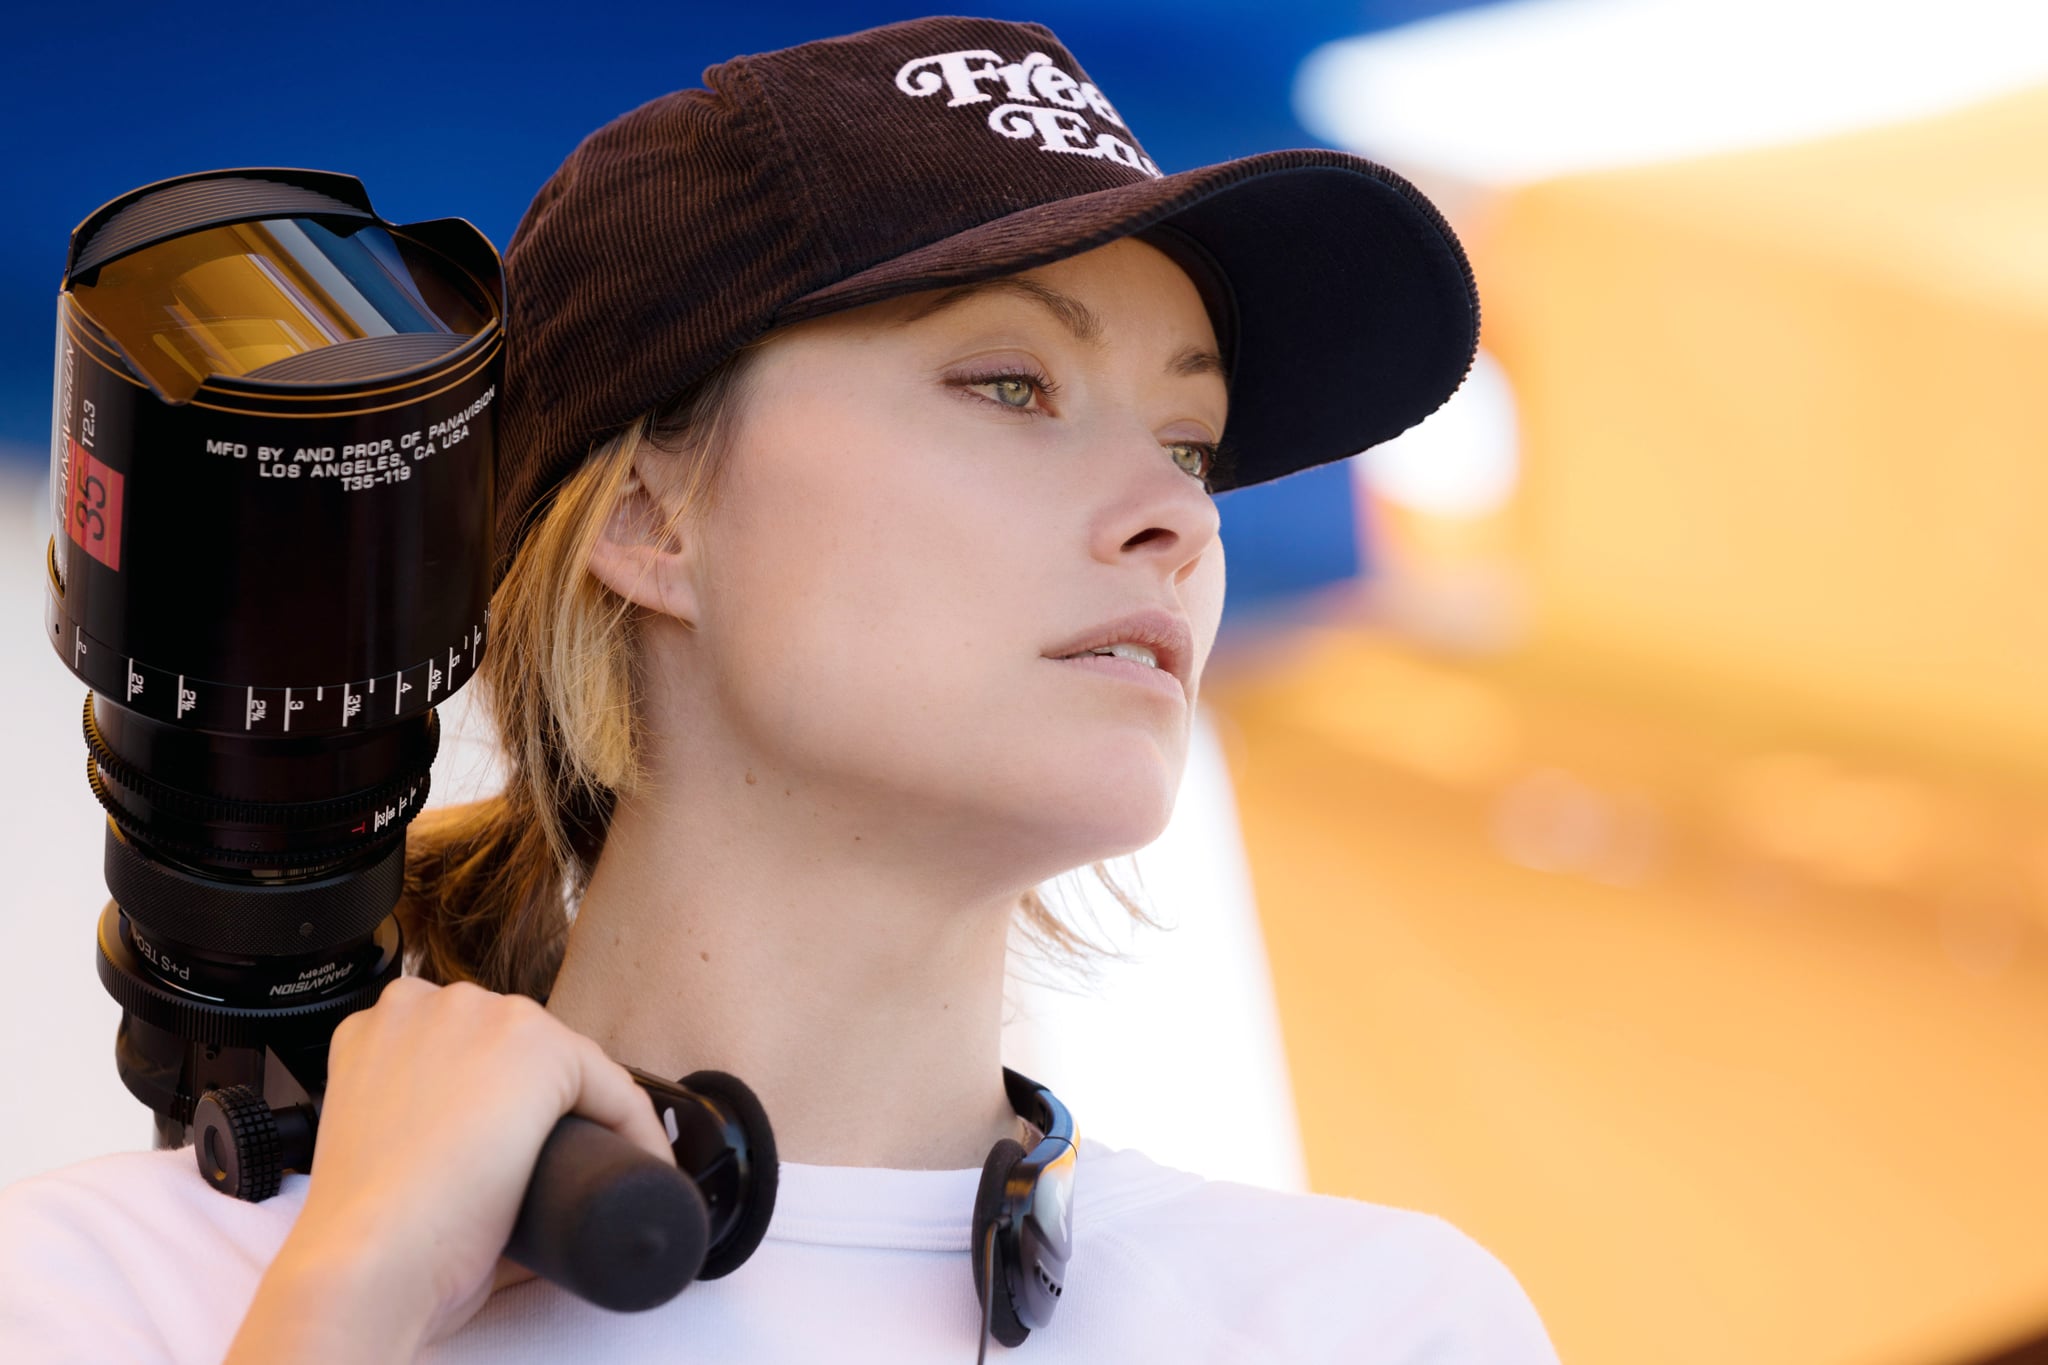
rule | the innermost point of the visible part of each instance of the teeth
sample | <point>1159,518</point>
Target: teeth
<point>1135,653</point>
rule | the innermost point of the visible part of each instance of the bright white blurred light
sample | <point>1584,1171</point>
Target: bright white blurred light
<point>1511,93</point>
<point>1458,462</point>
<point>1191,1011</point>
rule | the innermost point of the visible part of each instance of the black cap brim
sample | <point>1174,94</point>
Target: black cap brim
<point>1356,314</point>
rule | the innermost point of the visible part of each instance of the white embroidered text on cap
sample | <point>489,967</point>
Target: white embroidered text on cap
<point>1046,102</point>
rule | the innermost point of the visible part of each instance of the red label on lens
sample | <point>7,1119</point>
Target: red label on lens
<point>95,519</point>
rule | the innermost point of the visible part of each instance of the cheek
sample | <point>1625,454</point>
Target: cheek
<point>1202,594</point>
<point>868,595</point>
<point>877,608</point>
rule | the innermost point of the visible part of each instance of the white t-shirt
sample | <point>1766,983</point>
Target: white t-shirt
<point>134,1258</point>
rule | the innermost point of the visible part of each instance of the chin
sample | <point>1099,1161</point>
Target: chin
<point>1123,808</point>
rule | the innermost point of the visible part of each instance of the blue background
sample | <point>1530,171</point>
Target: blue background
<point>463,109</point>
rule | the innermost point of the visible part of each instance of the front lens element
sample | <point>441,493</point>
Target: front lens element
<point>234,301</point>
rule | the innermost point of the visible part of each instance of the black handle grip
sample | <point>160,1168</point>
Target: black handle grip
<point>608,1221</point>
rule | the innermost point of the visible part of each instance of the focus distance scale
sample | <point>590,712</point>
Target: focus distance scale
<point>153,692</point>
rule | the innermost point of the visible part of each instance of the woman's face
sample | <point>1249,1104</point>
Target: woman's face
<point>926,502</point>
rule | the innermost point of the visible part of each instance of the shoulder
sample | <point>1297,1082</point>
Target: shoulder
<point>1310,1276</point>
<point>143,1193</point>
<point>133,1257</point>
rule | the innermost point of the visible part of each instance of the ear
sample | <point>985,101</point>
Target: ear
<point>639,559</point>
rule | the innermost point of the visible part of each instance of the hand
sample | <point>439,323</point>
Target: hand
<point>438,1100</point>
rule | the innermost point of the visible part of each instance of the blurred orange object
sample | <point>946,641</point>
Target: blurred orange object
<point>1784,431</point>
<point>1693,956</point>
<point>1733,1049</point>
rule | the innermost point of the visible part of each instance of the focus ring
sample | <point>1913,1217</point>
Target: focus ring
<point>192,851</point>
<point>200,806</point>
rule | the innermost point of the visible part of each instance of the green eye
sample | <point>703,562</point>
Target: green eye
<point>1008,386</point>
<point>1012,389</point>
<point>1196,457</point>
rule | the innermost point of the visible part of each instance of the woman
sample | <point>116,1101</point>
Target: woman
<point>859,563</point>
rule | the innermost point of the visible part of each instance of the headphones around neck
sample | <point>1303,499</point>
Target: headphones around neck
<point>1023,1228</point>
<point>1024,1217</point>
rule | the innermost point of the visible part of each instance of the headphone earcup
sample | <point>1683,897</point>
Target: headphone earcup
<point>988,1206</point>
<point>746,1235</point>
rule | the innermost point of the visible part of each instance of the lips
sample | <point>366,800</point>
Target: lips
<point>1162,632</point>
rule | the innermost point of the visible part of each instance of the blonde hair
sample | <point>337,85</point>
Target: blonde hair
<point>489,884</point>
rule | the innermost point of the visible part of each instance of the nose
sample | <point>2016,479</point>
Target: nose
<point>1149,507</point>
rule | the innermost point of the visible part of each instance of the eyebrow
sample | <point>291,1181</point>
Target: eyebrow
<point>1075,315</point>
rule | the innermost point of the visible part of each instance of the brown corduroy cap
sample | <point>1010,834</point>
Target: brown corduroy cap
<point>931,153</point>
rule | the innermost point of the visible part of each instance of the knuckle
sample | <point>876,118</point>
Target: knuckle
<point>345,1032</point>
<point>523,1023</point>
<point>408,988</point>
<point>464,992</point>
<point>524,1007</point>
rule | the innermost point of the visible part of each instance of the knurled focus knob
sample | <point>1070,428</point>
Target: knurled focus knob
<point>235,1139</point>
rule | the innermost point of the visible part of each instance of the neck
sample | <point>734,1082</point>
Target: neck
<point>856,990</point>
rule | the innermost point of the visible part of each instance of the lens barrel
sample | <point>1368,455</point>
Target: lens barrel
<point>271,464</point>
<point>270,456</point>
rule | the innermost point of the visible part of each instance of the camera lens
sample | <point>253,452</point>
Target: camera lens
<point>271,467</point>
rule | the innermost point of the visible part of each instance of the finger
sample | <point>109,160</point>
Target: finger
<point>399,997</point>
<point>609,1095</point>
